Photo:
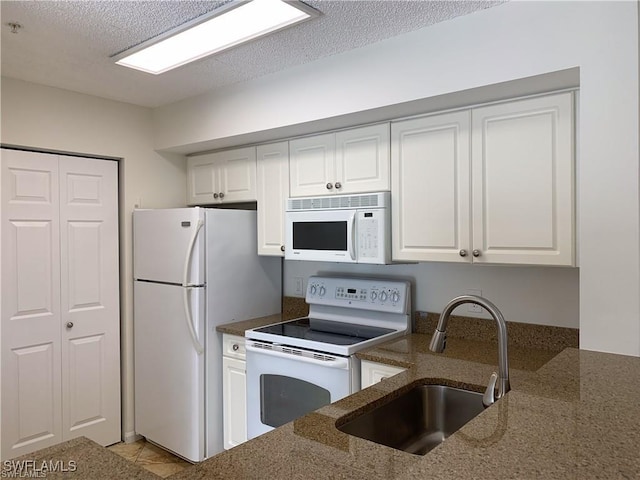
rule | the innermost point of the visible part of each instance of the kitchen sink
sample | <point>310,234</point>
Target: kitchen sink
<point>418,420</point>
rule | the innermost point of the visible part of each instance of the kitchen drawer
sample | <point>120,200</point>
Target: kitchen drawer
<point>233,346</point>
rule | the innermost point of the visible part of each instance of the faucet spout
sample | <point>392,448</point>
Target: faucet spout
<point>438,342</point>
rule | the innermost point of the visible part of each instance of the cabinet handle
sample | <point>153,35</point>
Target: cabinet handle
<point>476,253</point>
<point>329,186</point>
<point>463,253</point>
<point>282,248</point>
<point>235,347</point>
<point>338,185</point>
<point>221,195</point>
<point>69,324</point>
<point>215,195</point>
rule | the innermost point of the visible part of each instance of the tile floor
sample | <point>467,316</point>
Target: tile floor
<point>150,457</point>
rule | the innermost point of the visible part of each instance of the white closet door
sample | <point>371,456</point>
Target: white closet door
<point>90,299</point>
<point>31,409</point>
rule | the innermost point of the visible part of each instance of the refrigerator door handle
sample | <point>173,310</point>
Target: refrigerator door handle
<point>187,315</point>
<point>185,291</point>
<point>187,259</point>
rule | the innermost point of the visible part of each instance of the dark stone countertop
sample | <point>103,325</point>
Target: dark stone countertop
<point>573,414</point>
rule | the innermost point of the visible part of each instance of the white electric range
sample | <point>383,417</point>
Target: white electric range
<point>300,365</point>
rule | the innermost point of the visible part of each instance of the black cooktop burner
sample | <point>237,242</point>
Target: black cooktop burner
<point>325,331</point>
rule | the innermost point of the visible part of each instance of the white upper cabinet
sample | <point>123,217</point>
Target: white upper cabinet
<point>493,184</point>
<point>430,165</point>
<point>348,161</point>
<point>273,189</point>
<point>222,177</point>
<point>312,165</point>
<point>523,181</point>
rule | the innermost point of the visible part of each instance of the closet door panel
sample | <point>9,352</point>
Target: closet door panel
<point>90,299</point>
<point>30,311</point>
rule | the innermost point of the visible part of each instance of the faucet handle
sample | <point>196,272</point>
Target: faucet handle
<point>489,396</point>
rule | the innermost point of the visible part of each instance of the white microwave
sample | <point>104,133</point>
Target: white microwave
<point>339,228</point>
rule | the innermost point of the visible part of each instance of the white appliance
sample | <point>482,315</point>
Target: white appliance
<point>298,366</point>
<point>194,269</point>
<point>339,228</point>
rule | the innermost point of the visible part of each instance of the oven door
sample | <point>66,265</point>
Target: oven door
<point>325,235</point>
<point>285,383</point>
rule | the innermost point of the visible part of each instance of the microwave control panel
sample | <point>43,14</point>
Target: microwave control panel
<point>371,229</point>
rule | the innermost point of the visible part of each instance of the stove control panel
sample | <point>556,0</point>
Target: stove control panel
<point>367,294</point>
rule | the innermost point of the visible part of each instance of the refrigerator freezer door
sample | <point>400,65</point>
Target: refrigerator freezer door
<point>169,373</point>
<point>162,241</point>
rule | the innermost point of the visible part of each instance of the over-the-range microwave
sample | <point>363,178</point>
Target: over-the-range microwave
<point>339,228</point>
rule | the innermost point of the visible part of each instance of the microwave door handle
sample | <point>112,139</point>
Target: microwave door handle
<point>352,250</point>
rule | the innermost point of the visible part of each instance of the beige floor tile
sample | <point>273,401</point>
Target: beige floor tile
<point>165,469</point>
<point>151,454</point>
<point>129,451</point>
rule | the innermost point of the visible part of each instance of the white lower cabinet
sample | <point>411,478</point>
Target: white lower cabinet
<point>373,372</point>
<point>234,390</point>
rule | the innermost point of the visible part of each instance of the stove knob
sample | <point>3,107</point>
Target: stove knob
<point>322,291</point>
<point>312,289</point>
<point>374,295</point>
<point>395,297</point>
<point>383,297</point>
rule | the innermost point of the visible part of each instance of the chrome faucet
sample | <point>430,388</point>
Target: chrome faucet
<point>438,344</point>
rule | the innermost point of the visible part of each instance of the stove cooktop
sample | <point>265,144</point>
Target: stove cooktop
<point>325,331</point>
<point>345,316</point>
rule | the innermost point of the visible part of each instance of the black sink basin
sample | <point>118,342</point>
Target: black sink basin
<point>417,421</point>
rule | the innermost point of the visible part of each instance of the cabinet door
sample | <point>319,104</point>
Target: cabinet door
<point>234,389</point>
<point>31,381</point>
<point>312,165</point>
<point>203,181</point>
<point>90,309</point>
<point>362,159</point>
<point>237,175</point>
<point>273,190</point>
<point>372,372</point>
<point>430,188</point>
<point>523,181</point>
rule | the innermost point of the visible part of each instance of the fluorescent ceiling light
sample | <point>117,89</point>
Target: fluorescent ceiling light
<point>238,23</point>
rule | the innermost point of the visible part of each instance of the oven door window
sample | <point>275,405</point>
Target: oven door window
<point>283,399</point>
<point>320,236</point>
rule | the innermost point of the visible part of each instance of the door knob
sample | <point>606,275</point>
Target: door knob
<point>476,253</point>
<point>282,248</point>
<point>463,253</point>
<point>338,185</point>
<point>69,324</point>
<point>215,195</point>
<point>221,195</point>
<point>329,186</point>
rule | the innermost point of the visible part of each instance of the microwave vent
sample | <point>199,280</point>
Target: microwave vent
<point>335,202</point>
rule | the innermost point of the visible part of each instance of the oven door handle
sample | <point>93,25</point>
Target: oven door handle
<point>336,362</point>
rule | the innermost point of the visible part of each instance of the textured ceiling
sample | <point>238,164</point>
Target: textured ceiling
<point>68,44</point>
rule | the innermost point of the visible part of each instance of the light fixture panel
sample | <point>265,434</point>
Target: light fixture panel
<point>234,24</point>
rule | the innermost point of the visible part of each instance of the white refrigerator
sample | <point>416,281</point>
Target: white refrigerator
<point>194,269</point>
